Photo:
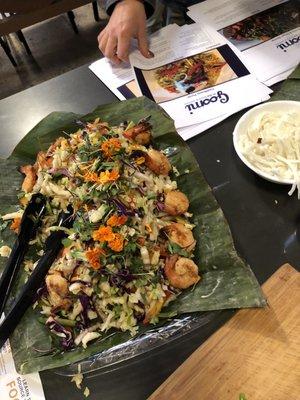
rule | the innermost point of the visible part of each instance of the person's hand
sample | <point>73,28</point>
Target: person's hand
<point>127,21</point>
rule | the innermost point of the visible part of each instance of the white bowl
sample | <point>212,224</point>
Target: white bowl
<point>243,123</point>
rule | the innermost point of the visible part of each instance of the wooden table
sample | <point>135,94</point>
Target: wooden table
<point>263,218</point>
<point>256,353</point>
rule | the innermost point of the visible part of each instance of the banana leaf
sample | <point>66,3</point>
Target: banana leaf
<point>227,282</point>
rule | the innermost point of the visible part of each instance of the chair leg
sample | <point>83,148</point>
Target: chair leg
<point>95,10</point>
<point>7,51</point>
<point>23,41</point>
<point>71,17</point>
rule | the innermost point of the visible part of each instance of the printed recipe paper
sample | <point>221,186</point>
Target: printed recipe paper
<point>196,75</point>
<point>120,80</point>
<point>267,32</point>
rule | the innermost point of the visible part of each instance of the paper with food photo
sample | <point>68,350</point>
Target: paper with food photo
<point>188,75</point>
<point>120,80</point>
<point>267,31</point>
<point>263,26</point>
<point>196,76</point>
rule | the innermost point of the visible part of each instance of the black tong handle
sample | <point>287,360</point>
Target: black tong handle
<point>52,247</point>
<point>29,224</point>
<point>28,293</point>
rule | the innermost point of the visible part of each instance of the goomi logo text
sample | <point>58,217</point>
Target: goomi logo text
<point>219,96</point>
<point>285,45</point>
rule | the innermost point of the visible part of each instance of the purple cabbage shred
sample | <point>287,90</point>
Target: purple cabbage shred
<point>62,171</point>
<point>58,330</point>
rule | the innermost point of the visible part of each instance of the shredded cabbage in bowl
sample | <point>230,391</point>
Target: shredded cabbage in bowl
<point>271,144</point>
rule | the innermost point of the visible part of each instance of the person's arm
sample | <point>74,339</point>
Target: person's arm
<point>127,21</point>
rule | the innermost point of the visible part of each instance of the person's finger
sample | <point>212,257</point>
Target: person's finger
<point>110,50</point>
<point>101,34</point>
<point>103,43</point>
<point>123,46</point>
<point>143,43</point>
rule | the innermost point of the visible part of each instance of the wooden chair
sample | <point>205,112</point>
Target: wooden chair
<point>19,14</point>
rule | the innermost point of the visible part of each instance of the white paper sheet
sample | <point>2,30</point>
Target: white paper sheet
<point>120,80</point>
<point>280,77</point>
<point>267,56</point>
<point>14,386</point>
<point>205,102</point>
<point>193,130</point>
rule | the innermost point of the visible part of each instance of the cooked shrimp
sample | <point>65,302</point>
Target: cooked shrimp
<point>54,146</point>
<point>43,161</point>
<point>58,290</point>
<point>181,272</point>
<point>157,162</point>
<point>139,133</point>
<point>30,177</point>
<point>176,203</point>
<point>15,226</point>
<point>181,235</point>
<point>143,138</point>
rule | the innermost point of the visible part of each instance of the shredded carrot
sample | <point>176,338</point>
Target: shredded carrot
<point>108,176</point>
<point>91,177</point>
<point>111,147</point>
<point>103,178</point>
<point>116,220</point>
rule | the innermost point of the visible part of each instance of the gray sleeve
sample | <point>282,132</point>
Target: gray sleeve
<point>149,6</point>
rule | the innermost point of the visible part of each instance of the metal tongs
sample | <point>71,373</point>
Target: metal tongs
<point>29,224</point>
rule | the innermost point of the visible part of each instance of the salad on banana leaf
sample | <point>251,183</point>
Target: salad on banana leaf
<point>129,252</point>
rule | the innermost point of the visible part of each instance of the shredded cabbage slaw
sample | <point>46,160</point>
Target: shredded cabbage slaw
<point>272,145</point>
<point>129,252</point>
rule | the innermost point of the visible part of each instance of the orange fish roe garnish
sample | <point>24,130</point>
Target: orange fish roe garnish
<point>103,234</point>
<point>108,176</point>
<point>111,147</point>
<point>93,256</point>
<point>116,220</point>
<point>117,243</point>
<point>15,225</point>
